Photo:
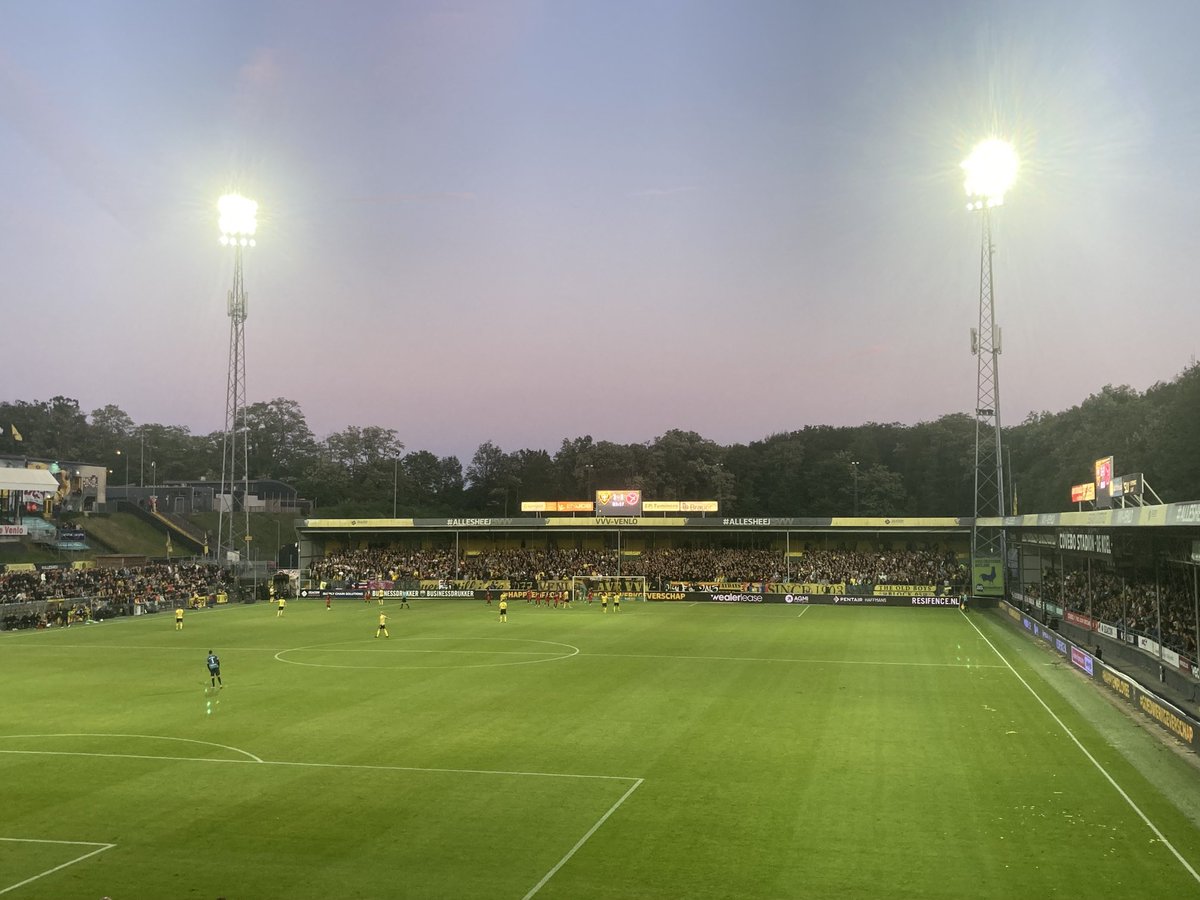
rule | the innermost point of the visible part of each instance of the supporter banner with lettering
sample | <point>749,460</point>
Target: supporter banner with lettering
<point>906,590</point>
<point>1080,619</point>
<point>805,588</point>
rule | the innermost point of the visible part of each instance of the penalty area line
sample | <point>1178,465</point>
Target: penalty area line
<point>100,848</point>
<point>321,765</point>
<point>1095,762</point>
<point>583,840</point>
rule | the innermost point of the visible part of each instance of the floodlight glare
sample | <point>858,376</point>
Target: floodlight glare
<point>990,170</point>
<point>237,215</point>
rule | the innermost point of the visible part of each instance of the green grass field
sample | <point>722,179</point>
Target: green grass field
<point>673,751</point>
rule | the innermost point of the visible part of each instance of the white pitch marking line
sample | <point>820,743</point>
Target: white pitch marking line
<point>328,648</point>
<point>199,650</point>
<point>100,848</point>
<point>583,840</point>
<point>406,650</point>
<point>317,765</point>
<point>832,662</point>
<point>803,611</point>
<point>1087,753</point>
<point>152,737</point>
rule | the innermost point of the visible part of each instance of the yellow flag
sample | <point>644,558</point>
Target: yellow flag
<point>16,434</point>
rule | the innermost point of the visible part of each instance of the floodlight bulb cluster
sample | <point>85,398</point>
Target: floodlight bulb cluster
<point>238,220</point>
<point>990,171</point>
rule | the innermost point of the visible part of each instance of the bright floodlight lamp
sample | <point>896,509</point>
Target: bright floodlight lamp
<point>990,171</point>
<point>238,220</point>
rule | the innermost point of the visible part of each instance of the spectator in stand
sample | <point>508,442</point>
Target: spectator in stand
<point>660,567</point>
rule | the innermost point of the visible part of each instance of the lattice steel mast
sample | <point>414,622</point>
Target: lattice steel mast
<point>985,344</point>
<point>990,171</point>
<point>233,519</point>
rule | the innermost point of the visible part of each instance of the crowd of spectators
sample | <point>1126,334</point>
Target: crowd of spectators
<point>1132,602</point>
<point>103,592</point>
<point>660,567</point>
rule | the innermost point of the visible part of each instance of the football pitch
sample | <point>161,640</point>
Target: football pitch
<point>663,751</point>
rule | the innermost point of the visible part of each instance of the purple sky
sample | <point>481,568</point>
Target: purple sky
<point>534,220</point>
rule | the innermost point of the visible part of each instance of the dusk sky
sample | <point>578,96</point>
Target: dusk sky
<point>524,221</point>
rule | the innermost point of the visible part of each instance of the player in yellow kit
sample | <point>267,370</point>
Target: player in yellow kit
<point>382,626</point>
<point>179,618</point>
<point>503,609</point>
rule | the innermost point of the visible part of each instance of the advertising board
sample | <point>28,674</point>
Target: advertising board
<point>1160,710</point>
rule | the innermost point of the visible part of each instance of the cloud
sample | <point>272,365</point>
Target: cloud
<point>663,192</point>
<point>262,71</point>
<point>430,197</point>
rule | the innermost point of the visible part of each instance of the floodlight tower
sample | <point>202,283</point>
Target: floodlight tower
<point>237,224</point>
<point>990,171</point>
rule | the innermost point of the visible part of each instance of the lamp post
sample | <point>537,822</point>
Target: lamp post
<point>990,172</point>
<point>854,472</point>
<point>395,474</point>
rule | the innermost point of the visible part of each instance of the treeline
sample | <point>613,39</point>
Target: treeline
<point>886,469</point>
